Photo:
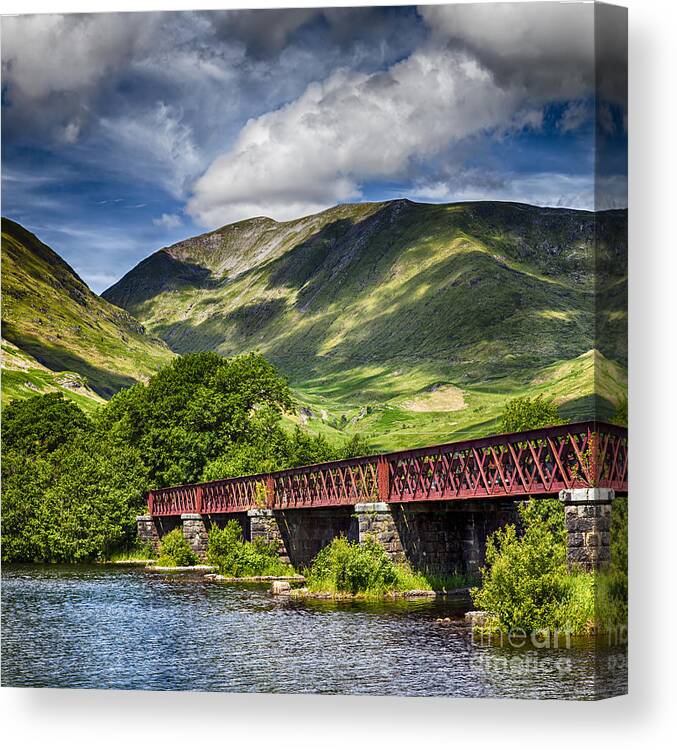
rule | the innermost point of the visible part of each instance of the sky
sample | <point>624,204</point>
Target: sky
<point>124,133</point>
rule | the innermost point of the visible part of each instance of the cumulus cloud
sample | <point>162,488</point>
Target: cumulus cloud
<point>64,60</point>
<point>556,50</point>
<point>485,70</point>
<point>287,112</point>
<point>547,48</point>
<point>353,127</point>
<point>169,221</point>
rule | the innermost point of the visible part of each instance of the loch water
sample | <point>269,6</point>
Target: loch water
<point>125,628</point>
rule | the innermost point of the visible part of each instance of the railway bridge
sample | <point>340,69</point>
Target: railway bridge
<point>433,506</point>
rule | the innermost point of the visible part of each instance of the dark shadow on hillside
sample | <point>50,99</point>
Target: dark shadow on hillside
<point>584,408</point>
<point>57,358</point>
<point>248,320</point>
<point>156,274</point>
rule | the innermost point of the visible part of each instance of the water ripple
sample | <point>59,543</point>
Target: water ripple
<point>99,627</point>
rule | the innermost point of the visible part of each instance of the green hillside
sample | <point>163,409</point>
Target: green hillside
<point>59,335</point>
<point>408,322</point>
<point>23,377</point>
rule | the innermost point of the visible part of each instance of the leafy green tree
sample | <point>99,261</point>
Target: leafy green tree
<point>527,413</point>
<point>197,409</point>
<point>77,503</point>
<point>71,488</point>
<point>41,424</point>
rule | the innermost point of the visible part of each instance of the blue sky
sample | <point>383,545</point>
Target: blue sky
<point>123,133</point>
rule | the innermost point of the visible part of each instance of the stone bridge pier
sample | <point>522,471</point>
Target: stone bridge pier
<point>588,520</point>
<point>435,538</point>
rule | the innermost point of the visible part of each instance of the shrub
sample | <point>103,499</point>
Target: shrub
<point>175,551</point>
<point>525,413</point>
<point>352,568</point>
<point>527,586</point>
<point>524,580</point>
<point>235,557</point>
<point>77,503</point>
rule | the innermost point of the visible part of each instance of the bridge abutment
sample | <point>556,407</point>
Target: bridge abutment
<point>263,524</point>
<point>588,521</point>
<point>147,531</point>
<point>195,532</point>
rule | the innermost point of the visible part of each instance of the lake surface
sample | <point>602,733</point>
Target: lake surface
<point>122,628</point>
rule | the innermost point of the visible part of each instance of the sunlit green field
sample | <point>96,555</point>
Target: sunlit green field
<point>411,414</point>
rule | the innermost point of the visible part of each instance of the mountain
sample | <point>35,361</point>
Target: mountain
<point>397,317</point>
<point>59,335</point>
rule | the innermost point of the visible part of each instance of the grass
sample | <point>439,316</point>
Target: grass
<point>138,552</point>
<point>375,305</point>
<point>23,377</point>
<point>407,323</point>
<point>50,315</point>
<point>337,414</point>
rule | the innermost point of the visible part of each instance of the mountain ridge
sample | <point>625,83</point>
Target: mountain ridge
<point>372,304</point>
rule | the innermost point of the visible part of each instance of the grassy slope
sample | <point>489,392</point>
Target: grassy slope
<point>23,377</point>
<point>55,322</point>
<point>377,307</point>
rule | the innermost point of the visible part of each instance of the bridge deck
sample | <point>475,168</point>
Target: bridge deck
<point>537,462</point>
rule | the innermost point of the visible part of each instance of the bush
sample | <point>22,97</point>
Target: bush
<point>175,551</point>
<point>527,586</point>
<point>233,556</point>
<point>352,568</point>
<point>524,580</point>
<point>525,413</point>
<point>77,503</point>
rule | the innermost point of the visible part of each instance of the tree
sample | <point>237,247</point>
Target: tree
<point>77,503</point>
<point>71,488</point>
<point>525,413</point>
<point>41,424</point>
<point>200,408</point>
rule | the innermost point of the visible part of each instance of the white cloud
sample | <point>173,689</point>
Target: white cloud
<point>169,221</point>
<point>351,128</point>
<point>71,132</point>
<point>582,191</point>
<point>44,54</point>
<point>545,47</point>
<point>575,114</point>
<point>157,146</point>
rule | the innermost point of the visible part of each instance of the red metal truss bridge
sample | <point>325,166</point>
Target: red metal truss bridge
<point>535,462</point>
